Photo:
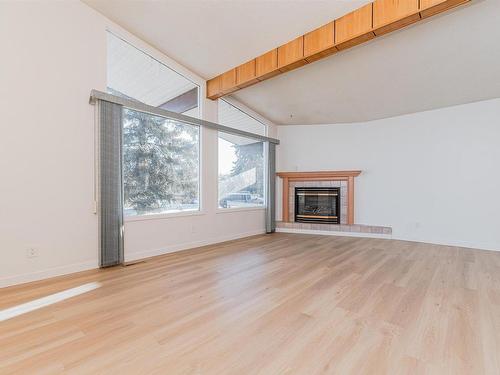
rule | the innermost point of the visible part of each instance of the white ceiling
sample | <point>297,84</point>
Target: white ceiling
<point>447,60</point>
<point>212,36</point>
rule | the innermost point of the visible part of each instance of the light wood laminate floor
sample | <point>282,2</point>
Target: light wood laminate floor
<point>275,304</point>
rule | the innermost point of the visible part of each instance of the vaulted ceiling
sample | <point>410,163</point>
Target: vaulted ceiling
<point>447,60</point>
<point>212,36</point>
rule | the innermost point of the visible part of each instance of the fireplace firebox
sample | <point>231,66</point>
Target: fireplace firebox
<point>317,205</point>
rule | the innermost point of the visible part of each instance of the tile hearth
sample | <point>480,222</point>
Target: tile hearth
<point>355,228</point>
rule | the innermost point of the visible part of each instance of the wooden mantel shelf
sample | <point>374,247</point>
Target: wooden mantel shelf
<point>320,174</point>
<point>348,176</point>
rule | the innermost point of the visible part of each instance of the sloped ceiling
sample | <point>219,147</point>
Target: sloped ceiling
<point>447,60</point>
<point>212,36</point>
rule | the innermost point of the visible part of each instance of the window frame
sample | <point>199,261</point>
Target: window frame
<point>245,112</point>
<point>141,46</point>
<point>172,65</point>
<point>262,207</point>
<point>166,215</point>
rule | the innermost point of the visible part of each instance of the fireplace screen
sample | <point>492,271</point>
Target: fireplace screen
<point>317,205</point>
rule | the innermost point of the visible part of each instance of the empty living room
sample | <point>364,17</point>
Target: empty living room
<point>216,187</point>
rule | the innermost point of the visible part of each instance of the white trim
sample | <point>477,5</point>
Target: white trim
<point>48,273</point>
<point>240,209</point>
<point>89,265</point>
<point>334,233</point>
<point>463,244</point>
<point>189,245</point>
<point>164,215</point>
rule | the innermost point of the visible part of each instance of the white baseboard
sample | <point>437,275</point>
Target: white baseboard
<point>130,257</point>
<point>93,264</point>
<point>88,265</point>
<point>50,272</point>
<point>455,243</point>
<point>334,233</point>
<point>464,244</point>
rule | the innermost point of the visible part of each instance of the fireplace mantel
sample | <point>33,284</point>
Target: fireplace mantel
<point>348,176</point>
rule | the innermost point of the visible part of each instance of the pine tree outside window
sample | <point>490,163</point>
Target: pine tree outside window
<point>160,165</point>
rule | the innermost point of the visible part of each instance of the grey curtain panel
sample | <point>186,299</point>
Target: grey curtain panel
<point>271,188</point>
<point>110,184</point>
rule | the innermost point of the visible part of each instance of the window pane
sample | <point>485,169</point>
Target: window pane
<point>233,117</point>
<point>135,75</point>
<point>241,171</point>
<point>160,164</point>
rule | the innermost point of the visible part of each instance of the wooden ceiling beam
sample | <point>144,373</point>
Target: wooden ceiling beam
<point>354,28</point>
<point>377,18</point>
<point>429,8</point>
<point>266,65</point>
<point>320,43</point>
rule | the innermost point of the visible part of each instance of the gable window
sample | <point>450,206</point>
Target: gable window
<point>134,74</point>
<point>231,116</point>
<point>161,157</point>
<point>241,160</point>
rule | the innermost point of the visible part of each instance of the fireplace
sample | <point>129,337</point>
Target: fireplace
<point>317,205</point>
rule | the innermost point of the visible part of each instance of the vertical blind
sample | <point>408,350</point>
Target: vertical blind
<point>110,184</point>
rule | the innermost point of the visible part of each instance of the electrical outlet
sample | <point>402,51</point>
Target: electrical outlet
<point>193,229</point>
<point>31,253</point>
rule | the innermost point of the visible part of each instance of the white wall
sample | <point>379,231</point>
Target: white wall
<point>432,176</point>
<point>53,54</point>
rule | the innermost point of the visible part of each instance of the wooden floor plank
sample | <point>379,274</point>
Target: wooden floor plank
<point>270,304</point>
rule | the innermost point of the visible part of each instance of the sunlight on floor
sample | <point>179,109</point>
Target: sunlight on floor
<point>36,304</point>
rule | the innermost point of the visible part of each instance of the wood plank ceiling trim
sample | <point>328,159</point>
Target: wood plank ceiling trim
<point>361,25</point>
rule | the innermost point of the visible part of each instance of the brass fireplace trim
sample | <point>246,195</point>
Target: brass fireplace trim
<point>318,217</point>
<point>320,194</point>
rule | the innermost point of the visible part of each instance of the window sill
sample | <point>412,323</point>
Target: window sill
<point>163,216</point>
<point>240,209</point>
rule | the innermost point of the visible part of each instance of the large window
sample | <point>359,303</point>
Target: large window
<point>231,116</point>
<point>160,156</point>
<point>160,165</point>
<point>136,75</point>
<point>241,160</point>
<point>241,172</point>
